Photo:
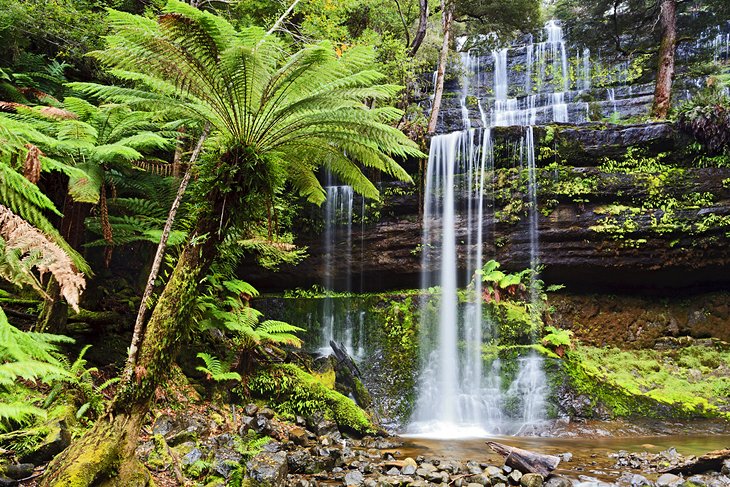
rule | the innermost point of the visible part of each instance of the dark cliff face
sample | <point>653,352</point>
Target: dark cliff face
<point>600,229</point>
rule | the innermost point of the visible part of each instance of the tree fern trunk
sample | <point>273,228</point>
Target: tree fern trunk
<point>113,439</point>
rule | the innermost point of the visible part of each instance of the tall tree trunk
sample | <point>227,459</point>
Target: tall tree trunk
<point>667,48</point>
<point>422,26</point>
<point>105,455</point>
<point>446,21</point>
<point>54,315</point>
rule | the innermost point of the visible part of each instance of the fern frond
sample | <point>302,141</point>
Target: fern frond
<point>47,256</point>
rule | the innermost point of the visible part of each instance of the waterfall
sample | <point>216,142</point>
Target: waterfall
<point>457,395</point>
<point>337,323</point>
<point>455,398</point>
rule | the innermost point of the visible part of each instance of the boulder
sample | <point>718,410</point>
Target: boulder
<point>268,469</point>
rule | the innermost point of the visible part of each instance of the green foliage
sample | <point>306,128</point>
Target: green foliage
<point>226,308</point>
<point>707,117</point>
<point>557,340</point>
<point>216,370</point>
<point>297,392</point>
<point>276,115</point>
<point>30,357</point>
<point>681,382</point>
<point>80,388</point>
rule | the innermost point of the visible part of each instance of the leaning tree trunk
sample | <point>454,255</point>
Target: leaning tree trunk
<point>446,21</point>
<point>665,71</point>
<point>422,26</point>
<point>106,454</point>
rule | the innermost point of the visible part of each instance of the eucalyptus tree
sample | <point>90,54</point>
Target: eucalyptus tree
<point>276,119</point>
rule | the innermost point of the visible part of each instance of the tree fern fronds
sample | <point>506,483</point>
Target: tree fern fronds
<point>20,235</point>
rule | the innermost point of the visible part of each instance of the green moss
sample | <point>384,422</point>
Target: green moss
<point>159,458</point>
<point>678,383</point>
<point>295,391</point>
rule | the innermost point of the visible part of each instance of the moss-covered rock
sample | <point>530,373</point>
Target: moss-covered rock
<point>686,382</point>
<point>294,391</point>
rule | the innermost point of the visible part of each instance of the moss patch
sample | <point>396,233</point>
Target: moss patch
<point>294,391</point>
<point>685,382</point>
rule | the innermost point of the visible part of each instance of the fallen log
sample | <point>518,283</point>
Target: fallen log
<point>524,460</point>
<point>711,461</point>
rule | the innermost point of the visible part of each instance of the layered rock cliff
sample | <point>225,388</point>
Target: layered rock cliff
<point>621,207</point>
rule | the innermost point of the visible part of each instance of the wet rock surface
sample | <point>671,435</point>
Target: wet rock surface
<point>384,253</point>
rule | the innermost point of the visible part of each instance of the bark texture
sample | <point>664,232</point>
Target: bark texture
<point>446,21</point>
<point>105,455</point>
<point>665,70</point>
<point>422,26</point>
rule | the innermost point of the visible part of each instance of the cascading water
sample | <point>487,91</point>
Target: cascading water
<point>338,322</point>
<point>458,395</point>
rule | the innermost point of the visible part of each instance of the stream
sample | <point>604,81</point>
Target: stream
<point>589,443</point>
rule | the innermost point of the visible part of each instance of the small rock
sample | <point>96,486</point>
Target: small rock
<point>408,470</point>
<point>267,413</point>
<point>251,410</point>
<point>633,480</point>
<point>192,456</point>
<point>268,469</point>
<point>506,468</point>
<point>567,456</point>
<point>19,470</point>
<point>6,482</point>
<point>480,480</point>
<point>493,471</point>
<point>298,436</point>
<point>393,471</point>
<point>558,481</point>
<point>531,480</point>
<point>473,468</point>
<point>668,480</point>
<point>354,478</point>
<point>514,476</point>
<point>410,461</point>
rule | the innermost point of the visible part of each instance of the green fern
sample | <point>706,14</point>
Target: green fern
<point>304,111</point>
<point>31,357</point>
<point>215,369</point>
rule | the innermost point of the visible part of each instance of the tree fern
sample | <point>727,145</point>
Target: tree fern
<point>41,253</point>
<point>304,110</point>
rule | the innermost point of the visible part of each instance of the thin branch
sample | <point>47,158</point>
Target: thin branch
<point>405,24</point>
<point>281,19</point>
<point>138,325</point>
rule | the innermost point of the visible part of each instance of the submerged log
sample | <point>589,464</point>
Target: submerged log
<point>711,461</point>
<point>524,460</point>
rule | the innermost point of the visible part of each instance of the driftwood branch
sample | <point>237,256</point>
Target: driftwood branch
<point>524,460</point>
<point>711,461</point>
